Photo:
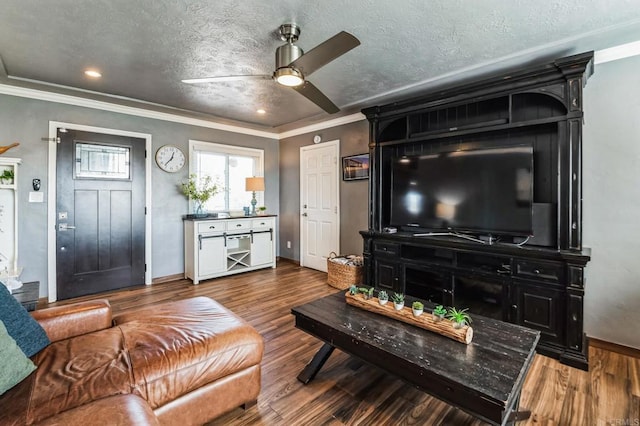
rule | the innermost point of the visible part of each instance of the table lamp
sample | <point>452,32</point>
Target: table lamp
<point>254,184</point>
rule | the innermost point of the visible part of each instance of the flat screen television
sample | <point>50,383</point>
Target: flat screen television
<point>483,191</point>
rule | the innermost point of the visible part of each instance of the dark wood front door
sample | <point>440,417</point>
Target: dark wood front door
<point>100,216</point>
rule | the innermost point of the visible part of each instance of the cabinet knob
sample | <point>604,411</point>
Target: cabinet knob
<point>536,271</point>
<point>514,307</point>
<point>239,225</point>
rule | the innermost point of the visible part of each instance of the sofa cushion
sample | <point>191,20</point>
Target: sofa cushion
<point>14,364</point>
<point>26,331</point>
<point>178,347</point>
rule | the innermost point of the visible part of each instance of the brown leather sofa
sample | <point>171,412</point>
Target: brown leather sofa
<point>178,363</point>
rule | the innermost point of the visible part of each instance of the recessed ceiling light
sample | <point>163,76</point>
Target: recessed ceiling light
<point>261,111</point>
<point>93,73</point>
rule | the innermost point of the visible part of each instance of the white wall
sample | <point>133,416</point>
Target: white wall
<point>611,194</point>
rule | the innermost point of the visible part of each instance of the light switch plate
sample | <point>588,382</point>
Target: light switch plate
<point>36,197</point>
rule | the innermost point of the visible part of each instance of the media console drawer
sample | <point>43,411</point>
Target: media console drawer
<point>384,247</point>
<point>540,270</point>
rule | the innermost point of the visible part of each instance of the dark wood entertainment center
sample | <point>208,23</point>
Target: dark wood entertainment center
<point>538,283</point>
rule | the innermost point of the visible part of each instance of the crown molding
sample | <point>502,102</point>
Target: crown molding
<point>323,125</point>
<point>43,95</point>
<point>617,52</point>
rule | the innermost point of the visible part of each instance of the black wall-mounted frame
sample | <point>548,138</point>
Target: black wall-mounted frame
<point>355,167</point>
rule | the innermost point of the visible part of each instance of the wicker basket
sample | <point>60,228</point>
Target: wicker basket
<point>342,276</point>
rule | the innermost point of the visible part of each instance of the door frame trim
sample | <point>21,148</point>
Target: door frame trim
<point>336,144</point>
<point>51,196</point>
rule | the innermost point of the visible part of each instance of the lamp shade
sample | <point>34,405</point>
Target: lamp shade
<point>254,184</point>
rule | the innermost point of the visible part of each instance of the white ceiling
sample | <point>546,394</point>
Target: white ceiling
<point>145,47</point>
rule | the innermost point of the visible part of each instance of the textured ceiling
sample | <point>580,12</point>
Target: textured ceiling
<point>145,47</point>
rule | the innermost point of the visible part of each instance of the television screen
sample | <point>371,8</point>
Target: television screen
<point>488,190</point>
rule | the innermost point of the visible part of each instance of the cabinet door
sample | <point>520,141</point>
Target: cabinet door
<point>211,255</point>
<point>540,308</point>
<point>387,275</point>
<point>261,249</point>
<point>428,283</point>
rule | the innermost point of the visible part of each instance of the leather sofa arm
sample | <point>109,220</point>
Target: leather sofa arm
<point>63,322</point>
<point>121,410</point>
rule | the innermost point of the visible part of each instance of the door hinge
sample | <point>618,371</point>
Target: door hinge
<point>145,211</point>
<point>145,267</point>
<point>145,153</point>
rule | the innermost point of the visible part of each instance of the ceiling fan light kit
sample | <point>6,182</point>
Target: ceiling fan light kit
<point>293,65</point>
<point>289,77</point>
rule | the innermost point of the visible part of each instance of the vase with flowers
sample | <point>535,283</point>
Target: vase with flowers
<point>200,191</point>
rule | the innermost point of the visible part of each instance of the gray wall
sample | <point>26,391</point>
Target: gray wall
<point>27,121</point>
<point>354,139</point>
<point>611,206</point>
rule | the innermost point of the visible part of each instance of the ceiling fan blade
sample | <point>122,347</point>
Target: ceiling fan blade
<point>325,52</point>
<point>312,93</point>
<point>227,78</point>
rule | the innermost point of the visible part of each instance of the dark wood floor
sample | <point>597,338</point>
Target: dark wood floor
<point>348,391</point>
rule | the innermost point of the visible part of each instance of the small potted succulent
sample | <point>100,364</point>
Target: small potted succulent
<point>366,292</point>
<point>460,318</point>
<point>438,313</point>
<point>417,308</point>
<point>353,290</point>
<point>261,210</point>
<point>398,301</point>
<point>383,297</point>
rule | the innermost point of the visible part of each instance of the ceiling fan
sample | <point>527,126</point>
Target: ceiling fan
<point>293,65</point>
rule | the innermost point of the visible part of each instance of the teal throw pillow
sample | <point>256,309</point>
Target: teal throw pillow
<point>28,334</point>
<point>14,364</point>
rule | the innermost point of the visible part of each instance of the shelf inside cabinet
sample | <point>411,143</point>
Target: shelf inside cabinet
<point>238,259</point>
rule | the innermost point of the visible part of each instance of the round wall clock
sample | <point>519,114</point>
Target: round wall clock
<point>169,158</point>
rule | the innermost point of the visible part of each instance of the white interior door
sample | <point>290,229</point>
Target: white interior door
<point>319,206</point>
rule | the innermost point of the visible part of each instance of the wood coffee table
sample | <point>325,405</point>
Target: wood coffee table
<point>483,378</point>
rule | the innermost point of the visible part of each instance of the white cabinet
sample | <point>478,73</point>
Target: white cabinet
<point>218,247</point>
<point>9,217</point>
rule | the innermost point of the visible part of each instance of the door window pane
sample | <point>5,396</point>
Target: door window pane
<point>96,161</point>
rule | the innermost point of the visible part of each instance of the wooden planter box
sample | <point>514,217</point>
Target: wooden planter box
<point>425,321</point>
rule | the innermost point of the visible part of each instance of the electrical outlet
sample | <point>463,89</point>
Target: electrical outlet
<point>288,244</point>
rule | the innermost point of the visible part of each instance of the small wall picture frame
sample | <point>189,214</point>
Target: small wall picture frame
<point>355,167</point>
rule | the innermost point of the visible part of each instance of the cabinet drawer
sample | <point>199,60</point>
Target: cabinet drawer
<point>262,223</point>
<point>211,227</point>
<point>235,225</point>
<point>389,248</point>
<point>540,270</point>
